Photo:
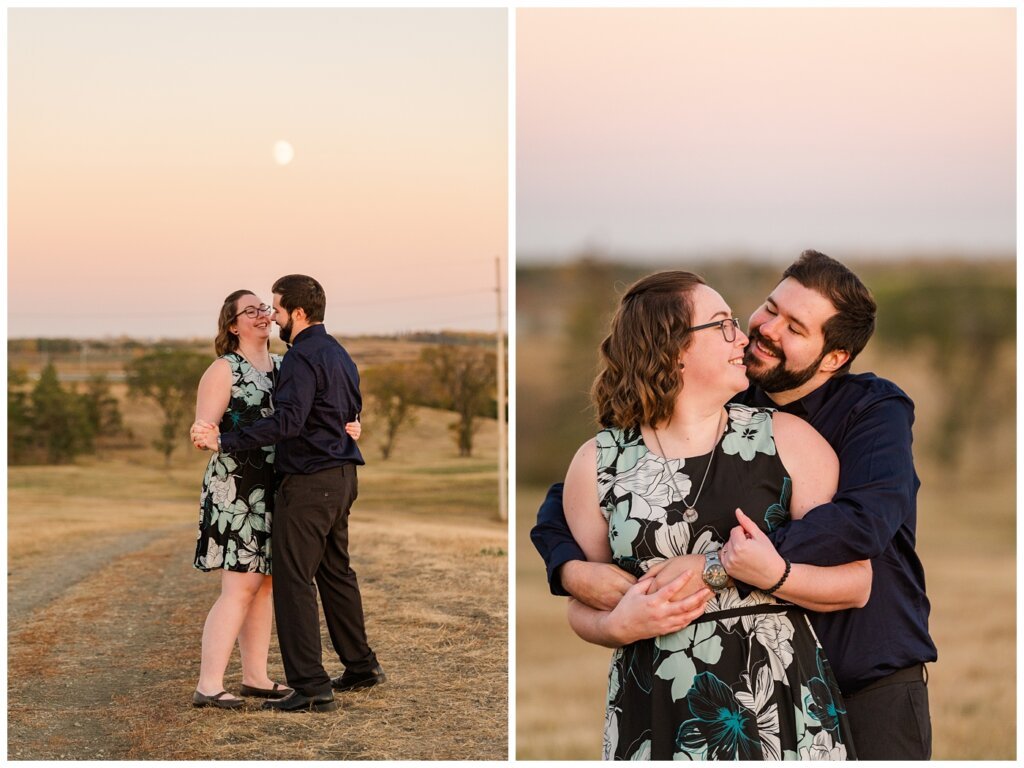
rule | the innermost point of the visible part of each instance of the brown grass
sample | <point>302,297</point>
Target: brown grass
<point>105,666</point>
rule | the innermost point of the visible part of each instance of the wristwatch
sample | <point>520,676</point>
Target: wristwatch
<point>714,572</point>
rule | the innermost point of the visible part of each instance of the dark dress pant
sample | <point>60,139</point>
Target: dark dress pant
<point>890,719</point>
<point>310,544</point>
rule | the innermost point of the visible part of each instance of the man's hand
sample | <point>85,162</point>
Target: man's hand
<point>204,435</point>
<point>668,570</point>
<point>750,556</point>
<point>599,585</point>
<point>354,429</point>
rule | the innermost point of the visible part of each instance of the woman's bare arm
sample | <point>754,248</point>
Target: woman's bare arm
<point>644,610</point>
<point>214,392</point>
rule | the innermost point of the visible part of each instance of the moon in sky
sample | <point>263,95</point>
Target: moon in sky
<point>283,153</point>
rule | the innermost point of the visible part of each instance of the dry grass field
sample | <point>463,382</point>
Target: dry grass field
<point>967,542</point>
<point>105,611</point>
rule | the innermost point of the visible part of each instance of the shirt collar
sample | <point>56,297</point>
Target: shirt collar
<point>806,407</point>
<point>317,329</point>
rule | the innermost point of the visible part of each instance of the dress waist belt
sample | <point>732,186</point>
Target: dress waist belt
<point>747,610</point>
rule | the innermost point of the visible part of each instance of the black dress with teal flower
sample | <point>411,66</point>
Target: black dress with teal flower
<point>237,501</point>
<point>746,681</point>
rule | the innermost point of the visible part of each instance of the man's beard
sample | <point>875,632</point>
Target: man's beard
<point>777,378</point>
<point>286,331</point>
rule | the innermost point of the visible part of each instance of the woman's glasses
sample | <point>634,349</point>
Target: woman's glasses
<point>254,312</point>
<point>728,326</point>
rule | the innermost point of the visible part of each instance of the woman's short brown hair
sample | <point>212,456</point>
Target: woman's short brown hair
<point>639,377</point>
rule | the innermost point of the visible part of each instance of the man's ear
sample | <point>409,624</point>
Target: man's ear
<point>834,360</point>
<point>300,314</point>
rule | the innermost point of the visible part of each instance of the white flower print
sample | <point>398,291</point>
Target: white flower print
<point>643,752</point>
<point>823,748</point>
<point>214,557</point>
<point>672,540</point>
<point>611,733</point>
<point>222,490</point>
<point>650,482</point>
<point>758,699</point>
<point>773,631</point>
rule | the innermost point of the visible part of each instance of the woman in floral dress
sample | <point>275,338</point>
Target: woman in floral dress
<point>724,674</point>
<point>236,505</point>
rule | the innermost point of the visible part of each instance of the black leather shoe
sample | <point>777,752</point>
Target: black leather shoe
<point>297,702</point>
<point>352,681</point>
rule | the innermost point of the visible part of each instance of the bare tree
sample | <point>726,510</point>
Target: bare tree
<point>393,389</point>
<point>170,379</point>
<point>466,381</point>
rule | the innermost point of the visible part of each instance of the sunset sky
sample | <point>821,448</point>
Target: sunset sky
<point>143,185</point>
<point>765,131</point>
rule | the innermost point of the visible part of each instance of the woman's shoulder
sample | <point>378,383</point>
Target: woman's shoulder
<point>800,442</point>
<point>276,359</point>
<point>223,365</point>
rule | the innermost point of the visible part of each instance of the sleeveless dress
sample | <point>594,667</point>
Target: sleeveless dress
<point>747,680</point>
<point>237,500</point>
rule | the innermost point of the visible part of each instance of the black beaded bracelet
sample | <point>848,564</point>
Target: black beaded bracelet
<point>781,581</point>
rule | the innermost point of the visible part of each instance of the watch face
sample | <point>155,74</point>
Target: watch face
<point>715,576</point>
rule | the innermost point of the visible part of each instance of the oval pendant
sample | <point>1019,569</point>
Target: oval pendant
<point>690,515</point>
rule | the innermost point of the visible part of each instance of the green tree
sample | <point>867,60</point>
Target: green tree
<point>59,423</point>
<point>19,417</point>
<point>393,389</point>
<point>962,319</point>
<point>170,379</point>
<point>101,407</point>
<point>466,379</point>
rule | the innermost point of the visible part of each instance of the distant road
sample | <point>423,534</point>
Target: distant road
<point>111,376</point>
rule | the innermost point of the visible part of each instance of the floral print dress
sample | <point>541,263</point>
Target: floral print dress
<point>237,500</point>
<point>746,681</point>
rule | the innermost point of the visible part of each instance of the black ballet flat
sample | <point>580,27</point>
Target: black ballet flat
<point>216,701</point>
<point>277,692</point>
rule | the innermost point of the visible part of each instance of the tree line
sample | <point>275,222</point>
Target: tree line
<point>51,423</point>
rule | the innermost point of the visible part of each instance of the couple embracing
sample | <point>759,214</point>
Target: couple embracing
<point>716,529</point>
<point>283,433</point>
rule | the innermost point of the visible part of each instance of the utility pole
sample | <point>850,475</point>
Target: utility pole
<point>502,431</point>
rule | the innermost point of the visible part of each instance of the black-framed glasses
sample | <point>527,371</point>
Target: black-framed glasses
<point>728,327</point>
<point>254,312</point>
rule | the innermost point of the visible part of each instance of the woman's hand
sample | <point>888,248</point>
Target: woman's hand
<point>750,556</point>
<point>354,429</point>
<point>645,611</point>
<point>204,435</point>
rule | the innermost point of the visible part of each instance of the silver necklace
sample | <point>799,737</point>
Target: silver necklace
<point>265,373</point>
<point>690,514</point>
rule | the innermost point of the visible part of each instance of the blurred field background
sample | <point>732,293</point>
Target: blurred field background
<point>946,335</point>
<point>106,612</point>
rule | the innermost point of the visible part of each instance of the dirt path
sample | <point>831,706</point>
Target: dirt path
<point>103,654</point>
<point>42,580</point>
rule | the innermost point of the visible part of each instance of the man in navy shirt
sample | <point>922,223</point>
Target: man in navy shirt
<point>802,342</point>
<point>317,393</point>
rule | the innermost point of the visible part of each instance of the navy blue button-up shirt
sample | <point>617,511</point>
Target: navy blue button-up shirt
<point>873,516</point>
<point>317,393</point>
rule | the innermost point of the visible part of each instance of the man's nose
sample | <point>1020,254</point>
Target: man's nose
<point>769,327</point>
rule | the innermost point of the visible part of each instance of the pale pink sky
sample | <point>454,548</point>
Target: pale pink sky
<point>143,187</point>
<point>656,132</point>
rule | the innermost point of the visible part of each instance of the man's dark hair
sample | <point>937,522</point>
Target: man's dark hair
<point>302,291</point>
<point>853,324</point>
